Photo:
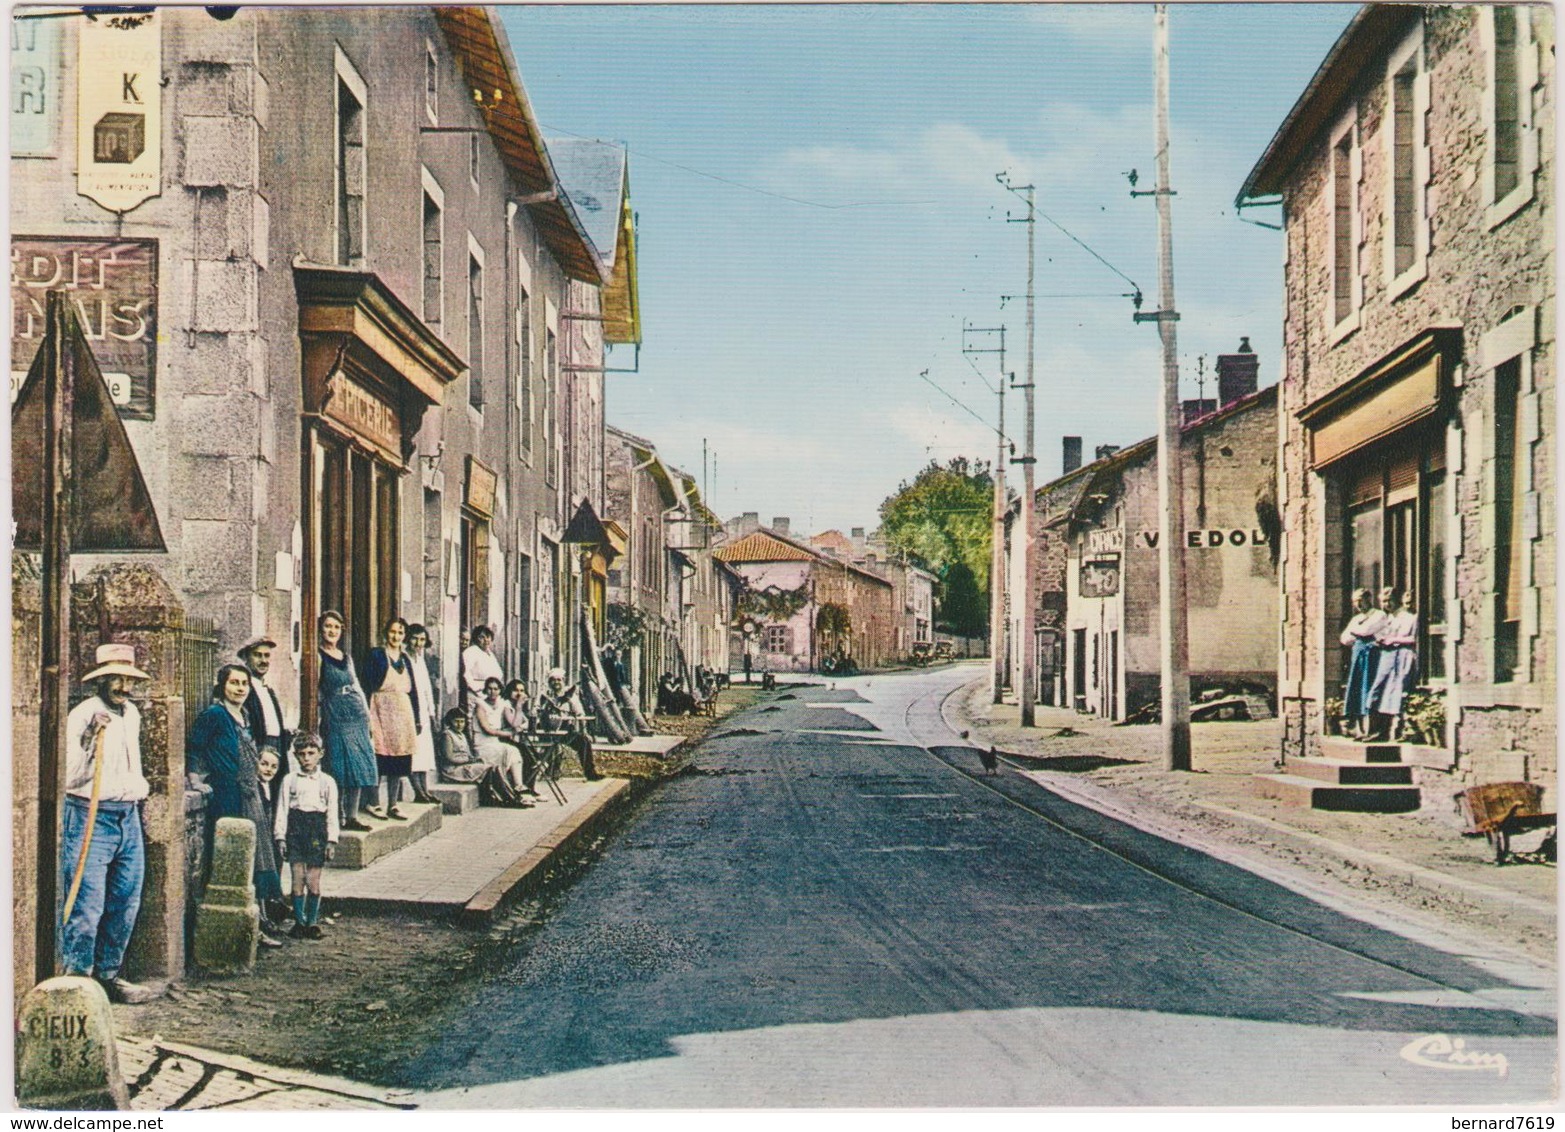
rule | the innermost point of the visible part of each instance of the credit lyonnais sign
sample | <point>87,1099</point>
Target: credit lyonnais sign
<point>114,286</point>
<point>119,110</point>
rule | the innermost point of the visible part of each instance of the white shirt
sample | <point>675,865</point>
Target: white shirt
<point>122,777</point>
<point>269,720</point>
<point>478,667</point>
<point>312,793</point>
<point>422,689</point>
<point>1364,625</point>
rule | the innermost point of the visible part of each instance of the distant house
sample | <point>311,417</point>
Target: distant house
<point>804,605</point>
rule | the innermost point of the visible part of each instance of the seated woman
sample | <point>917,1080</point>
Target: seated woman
<point>458,763</point>
<point>489,736</point>
<point>518,719</point>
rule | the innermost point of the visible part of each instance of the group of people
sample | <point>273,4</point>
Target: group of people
<point>1382,662</point>
<point>674,698</point>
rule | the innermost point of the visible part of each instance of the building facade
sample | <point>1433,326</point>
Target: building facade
<point>1415,176</point>
<point>1096,561</point>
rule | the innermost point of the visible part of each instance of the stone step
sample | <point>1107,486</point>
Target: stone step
<point>456,797</point>
<point>1355,751</point>
<point>1341,772</point>
<point>1292,790</point>
<point>355,850</point>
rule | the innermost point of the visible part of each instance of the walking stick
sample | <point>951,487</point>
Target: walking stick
<point>92,819</point>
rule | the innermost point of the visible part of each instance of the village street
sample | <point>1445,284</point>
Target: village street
<point>838,908</point>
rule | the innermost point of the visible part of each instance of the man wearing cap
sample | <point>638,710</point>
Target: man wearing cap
<point>262,708</point>
<point>559,711</point>
<point>101,830</point>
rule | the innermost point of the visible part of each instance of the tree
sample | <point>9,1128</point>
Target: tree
<point>943,520</point>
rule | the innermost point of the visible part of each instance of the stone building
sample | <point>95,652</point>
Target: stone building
<point>709,587</point>
<point>1096,560</point>
<point>352,314</point>
<point>1415,175</point>
<point>789,583</point>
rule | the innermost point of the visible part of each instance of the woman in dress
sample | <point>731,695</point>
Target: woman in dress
<point>223,753</point>
<point>489,735</point>
<point>394,721</point>
<point>1398,665</point>
<point>458,762</point>
<point>518,719</point>
<point>1363,661</point>
<point>427,711</point>
<point>345,723</point>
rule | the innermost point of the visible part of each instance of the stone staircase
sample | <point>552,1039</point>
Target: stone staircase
<point>1366,778</point>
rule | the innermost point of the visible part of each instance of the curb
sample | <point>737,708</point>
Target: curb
<point>526,872</point>
<point>291,1078</point>
<point>1539,914</point>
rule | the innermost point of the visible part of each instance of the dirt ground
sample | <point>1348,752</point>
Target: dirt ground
<point>1217,804</point>
<point>379,987</point>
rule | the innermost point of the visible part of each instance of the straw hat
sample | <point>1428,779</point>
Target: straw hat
<point>116,660</point>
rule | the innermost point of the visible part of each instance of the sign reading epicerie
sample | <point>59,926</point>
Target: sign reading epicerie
<point>113,284</point>
<point>119,110</point>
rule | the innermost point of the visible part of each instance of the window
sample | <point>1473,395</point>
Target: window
<point>431,85</point>
<point>434,252</point>
<point>550,358</point>
<point>350,174</point>
<point>777,638</point>
<point>473,152</point>
<point>1346,286</point>
<point>475,331</point>
<point>1510,454</point>
<point>1513,73</point>
<point>1407,161</point>
<point>524,371</point>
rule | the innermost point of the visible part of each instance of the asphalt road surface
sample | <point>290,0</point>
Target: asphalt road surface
<point>837,908</point>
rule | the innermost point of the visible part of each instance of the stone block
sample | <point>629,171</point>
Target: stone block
<point>227,295</point>
<point>203,89</point>
<point>220,426</point>
<point>220,151</point>
<point>228,926</point>
<point>217,556</point>
<point>200,38</point>
<point>66,1056</point>
<point>456,797</point>
<point>206,488</point>
<point>211,364</point>
<point>356,850</point>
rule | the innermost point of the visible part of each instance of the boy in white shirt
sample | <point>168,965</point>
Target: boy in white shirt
<point>307,830</point>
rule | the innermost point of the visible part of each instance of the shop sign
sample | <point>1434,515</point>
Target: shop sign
<point>1100,576</point>
<point>1106,541</point>
<point>114,287</point>
<point>480,488</point>
<point>35,86</point>
<point>1213,538</point>
<point>366,414</point>
<point>119,110</point>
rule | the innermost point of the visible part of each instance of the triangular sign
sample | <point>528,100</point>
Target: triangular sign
<point>111,509</point>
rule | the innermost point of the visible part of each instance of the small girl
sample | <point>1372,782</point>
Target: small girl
<point>273,907</point>
<point>458,763</point>
<point>306,830</point>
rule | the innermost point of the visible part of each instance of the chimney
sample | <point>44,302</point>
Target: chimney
<point>857,534</point>
<point>1104,451</point>
<point>1072,457</point>
<point>749,522</point>
<point>780,524</point>
<point>1196,409</point>
<point>1238,374</point>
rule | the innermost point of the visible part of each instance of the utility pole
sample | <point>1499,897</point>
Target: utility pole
<point>1172,617</point>
<point>1027,693</point>
<point>997,548</point>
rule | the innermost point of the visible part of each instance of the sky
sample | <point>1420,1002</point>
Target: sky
<point>819,217</point>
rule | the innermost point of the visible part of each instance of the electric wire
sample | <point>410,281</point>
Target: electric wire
<point>961,405</point>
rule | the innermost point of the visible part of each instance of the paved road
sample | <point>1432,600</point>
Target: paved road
<point>836,909</point>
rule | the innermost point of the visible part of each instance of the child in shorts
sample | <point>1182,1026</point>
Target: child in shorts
<point>307,830</point>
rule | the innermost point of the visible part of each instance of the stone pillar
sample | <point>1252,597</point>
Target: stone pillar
<point>129,603</point>
<point>228,923</point>
<point>66,1056</point>
<point>26,640</point>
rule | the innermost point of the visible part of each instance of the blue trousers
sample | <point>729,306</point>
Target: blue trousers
<point>98,929</point>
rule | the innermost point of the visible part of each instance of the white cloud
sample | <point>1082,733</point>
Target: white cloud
<point>946,152</point>
<point>1127,26</point>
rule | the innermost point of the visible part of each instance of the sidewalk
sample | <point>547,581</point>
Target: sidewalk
<point>1413,866</point>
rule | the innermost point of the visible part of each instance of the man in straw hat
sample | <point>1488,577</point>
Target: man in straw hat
<point>102,852</point>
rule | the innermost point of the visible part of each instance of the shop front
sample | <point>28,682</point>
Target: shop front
<point>371,369</point>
